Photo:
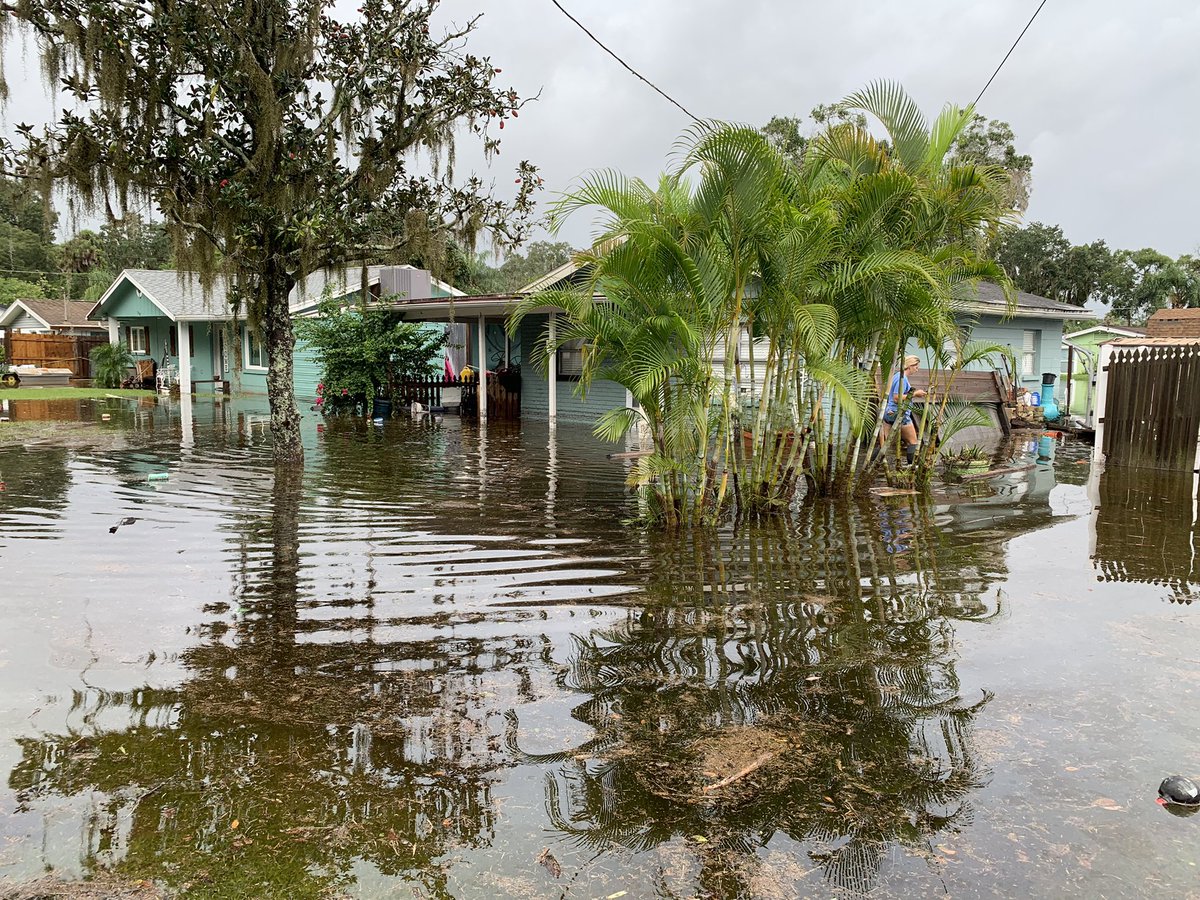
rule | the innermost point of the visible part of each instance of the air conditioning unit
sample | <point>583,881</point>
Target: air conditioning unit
<point>409,283</point>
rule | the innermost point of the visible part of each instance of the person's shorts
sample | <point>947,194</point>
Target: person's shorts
<point>890,418</point>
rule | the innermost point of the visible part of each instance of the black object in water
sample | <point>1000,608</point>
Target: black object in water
<point>1179,790</point>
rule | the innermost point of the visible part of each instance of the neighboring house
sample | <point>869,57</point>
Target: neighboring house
<point>1033,330</point>
<point>1174,323</point>
<point>1080,350</point>
<point>65,317</point>
<point>155,313</point>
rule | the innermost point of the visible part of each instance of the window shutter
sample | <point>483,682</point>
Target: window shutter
<point>129,338</point>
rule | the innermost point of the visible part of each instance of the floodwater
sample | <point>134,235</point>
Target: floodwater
<point>442,663</point>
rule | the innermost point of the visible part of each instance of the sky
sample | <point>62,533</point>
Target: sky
<point>1101,93</point>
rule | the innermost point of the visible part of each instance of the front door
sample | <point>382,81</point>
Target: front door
<point>218,349</point>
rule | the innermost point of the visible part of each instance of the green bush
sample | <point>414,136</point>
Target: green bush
<point>110,363</point>
<point>366,353</point>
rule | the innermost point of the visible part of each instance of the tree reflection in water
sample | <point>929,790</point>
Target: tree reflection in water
<point>281,763</point>
<point>819,657</point>
<point>304,750</point>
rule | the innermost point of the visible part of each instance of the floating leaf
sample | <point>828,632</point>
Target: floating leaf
<point>699,839</point>
<point>233,825</point>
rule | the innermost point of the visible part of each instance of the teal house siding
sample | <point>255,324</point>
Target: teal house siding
<point>602,396</point>
<point>1047,342</point>
<point>306,370</point>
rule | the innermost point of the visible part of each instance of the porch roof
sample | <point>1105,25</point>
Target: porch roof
<point>441,309</point>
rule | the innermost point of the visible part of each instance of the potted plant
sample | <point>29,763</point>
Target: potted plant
<point>966,461</point>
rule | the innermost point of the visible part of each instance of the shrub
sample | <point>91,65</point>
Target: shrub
<point>110,363</point>
<point>366,352</point>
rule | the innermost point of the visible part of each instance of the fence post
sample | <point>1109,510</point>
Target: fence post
<point>1102,370</point>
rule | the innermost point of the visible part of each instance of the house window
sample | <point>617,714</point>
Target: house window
<point>139,340</point>
<point>570,359</point>
<point>256,351</point>
<point>1029,353</point>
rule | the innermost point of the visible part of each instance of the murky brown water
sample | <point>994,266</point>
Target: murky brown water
<point>440,663</point>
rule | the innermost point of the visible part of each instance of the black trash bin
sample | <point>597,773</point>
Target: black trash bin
<point>381,408</point>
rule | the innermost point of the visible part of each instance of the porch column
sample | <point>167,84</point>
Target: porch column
<point>114,331</point>
<point>184,346</point>
<point>482,369</point>
<point>1102,365</point>
<point>552,372</point>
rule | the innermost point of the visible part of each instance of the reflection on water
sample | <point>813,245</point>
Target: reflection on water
<point>1145,530</point>
<point>441,658</point>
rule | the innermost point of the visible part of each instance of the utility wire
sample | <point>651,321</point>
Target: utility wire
<point>1010,50</point>
<point>632,71</point>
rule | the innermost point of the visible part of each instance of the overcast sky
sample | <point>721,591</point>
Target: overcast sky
<point>1101,93</point>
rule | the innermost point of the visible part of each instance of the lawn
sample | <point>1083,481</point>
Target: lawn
<point>69,393</point>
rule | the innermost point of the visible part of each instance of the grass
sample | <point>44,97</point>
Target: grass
<point>69,393</point>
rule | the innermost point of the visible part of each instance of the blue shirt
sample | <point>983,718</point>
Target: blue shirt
<point>897,380</point>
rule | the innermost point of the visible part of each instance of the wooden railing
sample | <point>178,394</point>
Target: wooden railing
<point>503,394</point>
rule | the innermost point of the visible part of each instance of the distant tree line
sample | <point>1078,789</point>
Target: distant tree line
<point>34,265</point>
<point>1133,283</point>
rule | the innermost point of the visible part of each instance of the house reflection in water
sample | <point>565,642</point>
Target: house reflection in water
<point>1144,530</point>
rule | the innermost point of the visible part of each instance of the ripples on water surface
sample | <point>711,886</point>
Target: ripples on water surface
<point>440,663</point>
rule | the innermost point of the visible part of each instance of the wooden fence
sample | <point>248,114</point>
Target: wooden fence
<point>52,351</point>
<point>1151,415</point>
<point>503,394</point>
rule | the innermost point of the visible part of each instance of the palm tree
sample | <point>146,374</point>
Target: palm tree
<point>835,265</point>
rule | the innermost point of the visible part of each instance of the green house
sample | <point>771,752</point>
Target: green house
<point>1080,350</point>
<point>159,313</point>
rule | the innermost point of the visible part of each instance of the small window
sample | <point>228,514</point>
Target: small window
<point>256,351</point>
<point>1029,353</point>
<point>570,359</point>
<point>139,340</point>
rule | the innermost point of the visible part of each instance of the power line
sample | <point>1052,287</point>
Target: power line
<point>1010,50</point>
<point>632,71</point>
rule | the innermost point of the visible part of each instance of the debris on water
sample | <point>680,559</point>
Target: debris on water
<point>546,859</point>
<point>126,521</point>
<point>1179,790</point>
<point>158,476</point>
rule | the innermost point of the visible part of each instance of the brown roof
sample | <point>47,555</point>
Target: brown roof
<point>63,314</point>
<point>1174,323</point>
<point>1188,313</point>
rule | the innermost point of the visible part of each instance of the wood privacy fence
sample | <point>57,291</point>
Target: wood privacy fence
<point>52,351</point>
<point>1152,407</point>
<point>504,394</point>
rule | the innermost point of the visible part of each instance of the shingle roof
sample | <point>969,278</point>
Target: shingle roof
<point>183,297</point>
<point>61,314</point>
<point>1169,314</point>
<point>990,297</point>
<point>181,293</point>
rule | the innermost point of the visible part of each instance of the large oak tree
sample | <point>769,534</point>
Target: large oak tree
<point>273,138</point>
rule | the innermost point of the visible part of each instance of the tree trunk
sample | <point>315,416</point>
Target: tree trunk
<point>280,343</point>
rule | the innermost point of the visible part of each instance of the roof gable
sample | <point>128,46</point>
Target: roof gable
<point>53,314</point>
<point>18,310</point>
